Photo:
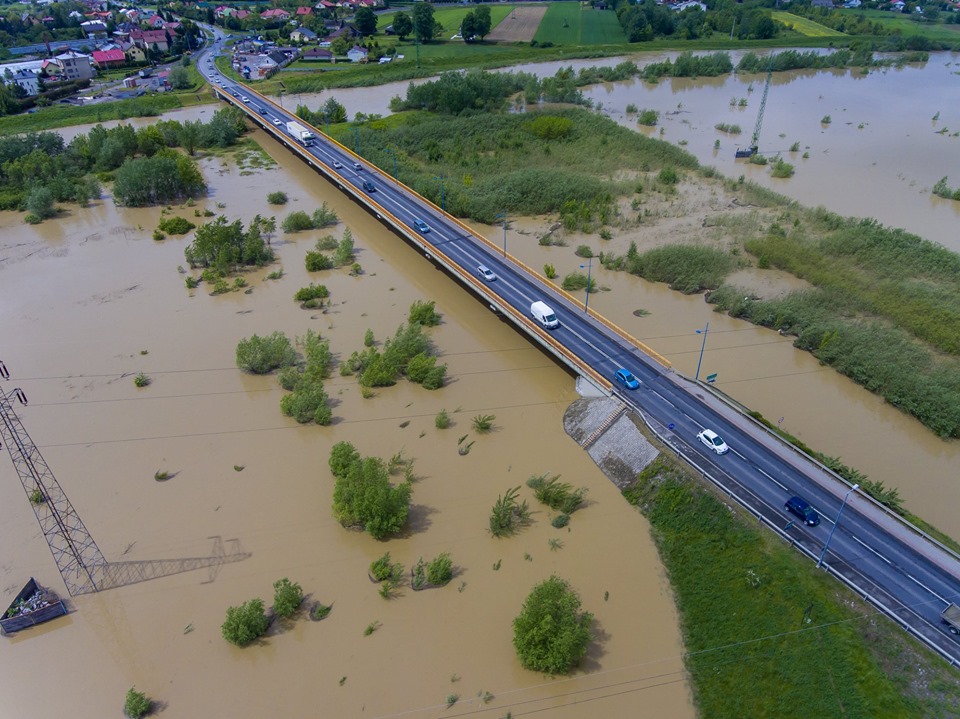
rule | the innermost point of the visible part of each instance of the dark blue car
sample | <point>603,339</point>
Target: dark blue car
<point>804,511</point>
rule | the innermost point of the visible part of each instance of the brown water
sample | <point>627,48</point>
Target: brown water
<point>83,296</point>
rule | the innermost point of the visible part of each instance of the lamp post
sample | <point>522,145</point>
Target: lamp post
<point>356,139</point>
<point>589,265</point>
<point>326,121</point>
<point>280,95</point>
<point>503,216</point>
<point>393,152</point>
<point>843,504</point>
<point>443,203</point>
<point>703,344</point>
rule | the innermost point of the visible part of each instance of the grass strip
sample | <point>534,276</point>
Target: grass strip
<point>767,635</point>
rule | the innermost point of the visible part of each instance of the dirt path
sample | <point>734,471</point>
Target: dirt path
<point>519,26</point>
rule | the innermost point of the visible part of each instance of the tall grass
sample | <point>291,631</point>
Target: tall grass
<point>765,634</point>
<point>687,268</point>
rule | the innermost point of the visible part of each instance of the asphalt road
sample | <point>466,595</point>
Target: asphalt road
<point>909,577</point>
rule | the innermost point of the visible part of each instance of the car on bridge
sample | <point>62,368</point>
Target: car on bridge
<point>486,273</point>
<point>337,165</point>
<point>626,378</point>
<point>369,186</point>
<point>277,121</point>
<point>421,226</point>
<point>800,507</point>
<point>714,441</point>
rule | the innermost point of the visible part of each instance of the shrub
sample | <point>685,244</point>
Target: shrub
<point>287,597</point>
<point>363,495</point>
<point>560,521</point>
<point>324,216</point>
<point>382,569</point>
<point>442,420</point>
<point>192,283</point>
<point>557,495</point>
<point>368,338</point>
<point>729,129</point>
<point>317,261</point>
<point>277,198</point>
<point>668,176</point>
<point>297,222</point>
<point>483,423</point>
<point>583,251</point>
<point>507,514</point>
<point>549,271</point>
<point>261,355</point>
<point>424,313</point>
<point>782,169</point>
<point>576,281</point>
<point>136,705</point>
<point>795,147</point>
<point>312,292</point>
<point>551,634</point>
<point>245,623</point>
<point>158,236</point>
<point>176,225</point>
<point>826,120</point>
<point>141,380</point>
<point>36,497</point>
<point>648,118</point>
<point>440,570</point>
<point>344,254</point>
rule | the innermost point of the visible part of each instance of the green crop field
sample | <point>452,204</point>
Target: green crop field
<point>568,23</point>
<point>804,26</point>
<point>910,25</point>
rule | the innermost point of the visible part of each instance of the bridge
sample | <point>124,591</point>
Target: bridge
<point>905,573</point>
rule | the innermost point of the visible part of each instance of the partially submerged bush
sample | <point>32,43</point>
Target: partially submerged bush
<point>245,624</point>
<point>261,355</point>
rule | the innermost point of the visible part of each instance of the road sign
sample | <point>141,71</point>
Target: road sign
<point>712,377</point>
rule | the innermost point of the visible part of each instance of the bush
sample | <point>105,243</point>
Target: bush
<point>261,355</point>
<point>576,281</point>
<point>557,495</point>
<point>483,423</point>
<point>440,570</point>
<point>668,176</point>
<point>297,221</point>
<point>363,495</point>
<point>287,597</point>
<point>277,198</point>
<point>781,169</point>
<point>826,120</point>
<point>176,225</point>
<point>507,514</point>
<point>344,254</point>
<point>549,271</point>
<point>442,420</point>
<point>424,313</point>
<point>136,705</point>
<point>245,623</point>
<point>551,634</point>
<point>383,569</point>
<point>312,292</point>
<point>317,261</point>
<point>648,118</point>
<point>583,251</point>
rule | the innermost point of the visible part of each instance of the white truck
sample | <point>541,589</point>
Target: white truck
<point>951,617</point>
<point>544,315</point>
<point>301,133</point>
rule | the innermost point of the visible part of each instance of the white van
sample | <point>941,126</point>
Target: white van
<point>544,315</point>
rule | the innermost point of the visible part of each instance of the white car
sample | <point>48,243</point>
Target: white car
<point>486,273</point>
<point>337,165</point>
<point>277,122</point>
<point>714,441</point>
<point>245,98</point>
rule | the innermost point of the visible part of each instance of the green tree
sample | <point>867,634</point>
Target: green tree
<point>424,26</point>
<point>551,634</point>
<point>402,25</point>
<point>287,597</point>
<point>189,135</point>
<point>216,244</point>
<point>333,111</point>
<point>260,355</point>
<point>137,704</point>
<point>468,27</point>
<point>365,21</point>
<point>179,77</point>
<point>363,495</point>
<point>39,201</point>
<point>245,623</point>
<point>482,21</point>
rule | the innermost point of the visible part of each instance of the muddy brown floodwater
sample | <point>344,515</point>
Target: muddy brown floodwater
<point>89,300</point>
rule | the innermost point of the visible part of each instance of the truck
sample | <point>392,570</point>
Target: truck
<point>301,133</point>
<point>544,315</point>
<point>951,617</point>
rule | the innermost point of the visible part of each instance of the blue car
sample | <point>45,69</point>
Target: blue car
<point>626,378</point>
<point>422,227</point>
<point>802,510</point>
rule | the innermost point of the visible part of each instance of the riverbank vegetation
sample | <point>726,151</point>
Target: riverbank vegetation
<point>551,634</point>
<point>363,496</point>
<point>796,638</point>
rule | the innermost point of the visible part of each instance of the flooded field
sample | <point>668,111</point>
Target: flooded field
<point>89,300</point>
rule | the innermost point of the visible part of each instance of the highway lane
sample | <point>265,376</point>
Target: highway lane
<point>915,586</point>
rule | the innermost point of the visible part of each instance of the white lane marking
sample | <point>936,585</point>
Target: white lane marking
<point>919,583</point>
<point>867,546</point>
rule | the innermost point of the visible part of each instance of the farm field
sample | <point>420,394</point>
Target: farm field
<point>571,24</point>
<point>450,18</point>
<point>906,25</point>
<point>804,26</point>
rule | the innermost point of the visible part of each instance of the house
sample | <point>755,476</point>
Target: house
<point>898,6</point>
<point>109,58</point>
<point>75,65</point>
<point>303,12</point>
<point>134,53</point>
<point>171,28</point>
<point>303,34</point>
<point>241,14</point>
<point>94,29</point>
<point>326,5</point>
<point>317,53</point>
<point>687,4</point>
<point>28,80</point>
<point>155,22</point>
<point>275,14</point>
<point>148,38</point>
<point>852,4</point>
<point>357,54</point>
<point>822,3</point>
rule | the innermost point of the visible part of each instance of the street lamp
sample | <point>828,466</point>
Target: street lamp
<point>703,344</point>
<point>503,216</point>
<point>280,95</point>
<point>393,152</point>
<point>356,138</point>
<point>443,203</point>
<point>843,504</point>
<point>589,265</point>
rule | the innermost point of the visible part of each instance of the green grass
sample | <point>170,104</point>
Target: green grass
<point>766,635</point>
<point>911,25</point>
<point>584,26</point>
<point>66,115</point>
<point>804,26</point>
